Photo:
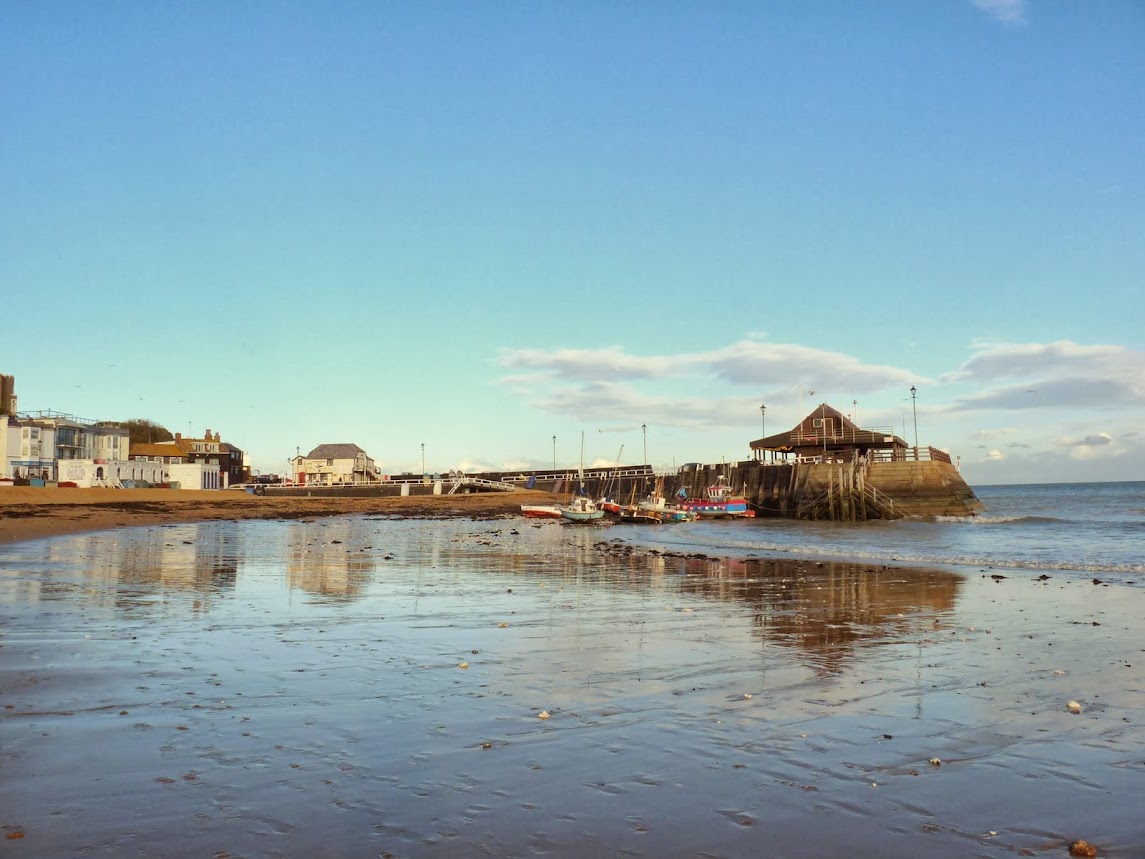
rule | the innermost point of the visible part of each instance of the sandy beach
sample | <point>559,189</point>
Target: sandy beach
<point>422,677</point>
<point>30,512</point>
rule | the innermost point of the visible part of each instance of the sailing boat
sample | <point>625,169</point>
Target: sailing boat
<point>582,508</point>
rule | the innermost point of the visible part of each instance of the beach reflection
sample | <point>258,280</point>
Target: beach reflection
<point>378,685</point>
<point>827,609</point>
<point>329,559</point>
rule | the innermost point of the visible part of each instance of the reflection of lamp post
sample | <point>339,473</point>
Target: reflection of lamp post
<point>423,457</point>
<point>554,453</point>
<point>644,429</point>
<point>914,411</point>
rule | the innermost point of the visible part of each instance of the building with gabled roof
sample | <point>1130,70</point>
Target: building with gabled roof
<point>825,435</point>
<point>209,450</point>
<point>328,464</point>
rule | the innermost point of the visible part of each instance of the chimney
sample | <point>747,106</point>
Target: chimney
<point>217,437</point>
<point>207,434</point>
<point>178,436</point>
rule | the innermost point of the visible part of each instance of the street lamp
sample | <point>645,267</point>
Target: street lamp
<point>423,457</point>
<point>644,429</point>
<point>914,411</point>
<point>763,429</point>
<point>554,453</point>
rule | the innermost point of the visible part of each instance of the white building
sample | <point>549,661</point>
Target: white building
<point>329,464</point>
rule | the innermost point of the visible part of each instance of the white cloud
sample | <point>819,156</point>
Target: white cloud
<point>1009,11</point>
<point>612,363</point>
<point>748,363</point>
<point>1064,373</point>
<point>1097,440</point>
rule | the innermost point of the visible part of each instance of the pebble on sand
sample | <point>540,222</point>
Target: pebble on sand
<point>544,714</point>
<point>1073,707</point>
<point>1082,848</point>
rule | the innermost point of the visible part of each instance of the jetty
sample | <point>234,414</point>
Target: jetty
<point>824,468</point>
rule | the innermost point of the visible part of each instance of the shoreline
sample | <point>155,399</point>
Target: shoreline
<point>34,513</point>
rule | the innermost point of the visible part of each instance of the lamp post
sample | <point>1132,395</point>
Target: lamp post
<point>423,457</point>
<point>914,411</point>
<point>763,427</point>
<point>823,428</point>
<point>644,429</point>
<point>554,453</point>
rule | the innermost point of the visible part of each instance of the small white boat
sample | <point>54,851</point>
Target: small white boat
<point>541,511</point>
<point>581,510</point>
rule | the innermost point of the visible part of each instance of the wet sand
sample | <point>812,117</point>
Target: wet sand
<point>370,686</point>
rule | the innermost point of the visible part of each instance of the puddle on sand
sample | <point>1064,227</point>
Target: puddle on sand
<point>296,688</point>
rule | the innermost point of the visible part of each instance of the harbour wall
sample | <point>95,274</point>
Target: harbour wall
<point>874,490</point>
<point>849,491</point>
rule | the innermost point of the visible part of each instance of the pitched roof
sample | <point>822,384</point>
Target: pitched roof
<point>335,451</point>
<point>805,432</point>
<point>159,448</point>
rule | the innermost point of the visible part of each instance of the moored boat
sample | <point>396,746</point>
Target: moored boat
<point>541,511</point>
<point>719,502</point>
<point>581,510</point>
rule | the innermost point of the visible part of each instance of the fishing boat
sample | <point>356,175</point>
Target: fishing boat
<point>719,502</point>
<point>541,511</point>
<point>664,512</point>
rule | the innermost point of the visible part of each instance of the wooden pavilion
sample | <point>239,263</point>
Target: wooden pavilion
<point>827,435</point>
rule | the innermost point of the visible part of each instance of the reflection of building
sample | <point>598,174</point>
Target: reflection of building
<point>334,463</point>
<point>326,558</point>
<point>197,558</point>
<point>826,609</point>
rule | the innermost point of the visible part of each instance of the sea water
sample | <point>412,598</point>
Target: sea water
<point>1084,529</point>
<point>376,686</point>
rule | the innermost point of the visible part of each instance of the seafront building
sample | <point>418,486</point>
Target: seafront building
<point>330,464</point>
<point>44,448</point>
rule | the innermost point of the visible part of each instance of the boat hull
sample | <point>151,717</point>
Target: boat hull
<point>582,515</point>
<point>540,511</point>
<point>732,508</point>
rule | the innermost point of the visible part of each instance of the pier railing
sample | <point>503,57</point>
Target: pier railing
<point>910,454</point>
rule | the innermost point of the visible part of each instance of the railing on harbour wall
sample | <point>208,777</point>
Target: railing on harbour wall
<point>910,454</point>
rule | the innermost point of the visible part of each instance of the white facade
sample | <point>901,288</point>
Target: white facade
<point>5,472</point>
<point>194,475</point>
<point>333,464</point>
<point>86,473</point>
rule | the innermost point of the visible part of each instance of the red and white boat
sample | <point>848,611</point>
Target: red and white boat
<point>541,511</point>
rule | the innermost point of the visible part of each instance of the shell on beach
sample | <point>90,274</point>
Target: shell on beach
<point>1073,707</point>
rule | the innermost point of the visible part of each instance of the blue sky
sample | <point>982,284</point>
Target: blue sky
<point>475,226</point>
